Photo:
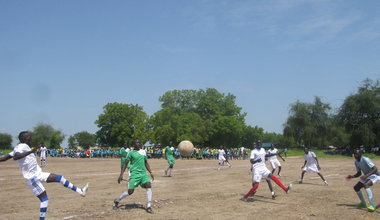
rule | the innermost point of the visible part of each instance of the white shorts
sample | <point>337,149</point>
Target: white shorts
<point>35,184</point>
<point>221,159</point>
<point>259,173</point>
<point>275,163</point>
<point>313,168</point>
<point>374,178</point>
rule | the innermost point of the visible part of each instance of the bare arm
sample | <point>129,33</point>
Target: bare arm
<point>19,156</point>
<point>122,171</point>
<point>5,158</point>
<point>147,166</point>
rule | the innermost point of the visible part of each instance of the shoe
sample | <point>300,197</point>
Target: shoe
<point>115,204</point>
<point>326,183</point>
<point>371,208</point>
<point>84,190</point>
<point>361,205</point>
<point>274,196</point>
<point>289,188</point>
<point>300,182</point>
<point>149,210</point>
<point>244,199</point>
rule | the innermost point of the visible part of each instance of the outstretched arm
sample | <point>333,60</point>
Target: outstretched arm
<point>5,158</point>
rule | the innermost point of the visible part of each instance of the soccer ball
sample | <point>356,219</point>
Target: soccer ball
<point>185,148</point>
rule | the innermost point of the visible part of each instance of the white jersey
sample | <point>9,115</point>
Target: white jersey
<point>43,152</point>
<point>142,152</point>
<point>221,154</point>
<point>258,154</point>
<point>310,159</point>
<point>275,152</point>
<point>28,164</point>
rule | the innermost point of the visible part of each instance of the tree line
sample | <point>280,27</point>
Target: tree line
<point>212,119</point>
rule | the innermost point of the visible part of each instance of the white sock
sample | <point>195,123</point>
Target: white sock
<point>169,171</point>
<point>122,196</point>
<point>149,195</point>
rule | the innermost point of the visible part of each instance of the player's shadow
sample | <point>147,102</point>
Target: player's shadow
<point>131,206</point>
<point>354,206</point>
<point>260,199</point>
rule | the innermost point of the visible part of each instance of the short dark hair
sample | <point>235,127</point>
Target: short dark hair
<point>21,135</point>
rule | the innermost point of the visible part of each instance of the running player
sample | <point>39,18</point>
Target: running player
<point>370,177</point>
<point>311,165</point>
<point>139,163</point>
<point>260,170</point>
<point>34,175</point>
<point>222,158</point>
<point>273,159</point>
<point>170,158</point>
<point>42,154</point>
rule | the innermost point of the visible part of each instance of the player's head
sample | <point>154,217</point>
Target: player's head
<point>358,154</point>
<point>136,144</point>
<point>258,143</point>
<point>25,137</point>
<point>272,146</point>
<point>306,150</point>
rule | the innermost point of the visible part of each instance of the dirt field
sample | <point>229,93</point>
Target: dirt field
<point>197,190</point>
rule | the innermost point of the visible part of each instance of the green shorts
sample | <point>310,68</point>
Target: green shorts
<point>171,160</point>
<point>138,179</point>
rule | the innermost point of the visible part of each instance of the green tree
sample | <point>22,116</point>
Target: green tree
<point>251,134</point>
<point>121,123</point>
<point>360,115</point>
<point>308,124</point>
<point>5,141</point>
<point>83,139</point>
<point>46,134</point>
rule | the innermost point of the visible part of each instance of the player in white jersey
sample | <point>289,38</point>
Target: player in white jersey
<point>260,170</point>
<point>34,175</point>
<point>273,159</point>
<point>42,154</point>
<point>311,165</point>
<point>370,177</point>
<point>222,158</point>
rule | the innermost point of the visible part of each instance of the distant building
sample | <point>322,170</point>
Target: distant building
<point>266,145</point>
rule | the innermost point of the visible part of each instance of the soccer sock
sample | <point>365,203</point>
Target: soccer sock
<point>122,196</point>
<point>253,189</point>
<point>278,182</point>
<point>169,171</point>
<point>149,195</point>
<point>360,195</point>
<point>43,206</point>
<point>68,184</point>
<point>370,197</point>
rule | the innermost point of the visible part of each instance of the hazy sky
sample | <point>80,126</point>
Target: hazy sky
<point>62,61</point>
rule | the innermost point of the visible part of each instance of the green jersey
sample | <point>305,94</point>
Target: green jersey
<point>168,152</point>
<point>137,162</point>
<point>123,152</point>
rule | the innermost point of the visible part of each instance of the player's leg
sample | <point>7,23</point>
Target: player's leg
<point>279,183</point>
<point>256,178</point>
<point>368,190</point>
<point>170,168</point>
<point>326,183</point>
<point>149,195</point>
<point>279,171</point>
<point>271,188</point>
<point>122,196</point>
<point>43,205</point>
<point>66,183</point>
<point>302,175</point>
<point>357,189</point>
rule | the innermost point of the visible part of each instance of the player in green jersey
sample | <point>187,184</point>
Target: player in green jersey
<point>170,158</point>
<point>139,165</point>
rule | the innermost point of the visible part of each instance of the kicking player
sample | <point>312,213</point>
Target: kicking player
<point>170,158</point>
<point>370,177</point>
<point>34,175</point>
<point>311,165</point>
<point>222,158</point>
<point>260,170</point>
<point>273,159</point>
<point>139,163</point>
<point>42,154</point>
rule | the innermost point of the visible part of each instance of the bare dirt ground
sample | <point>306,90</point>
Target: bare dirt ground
<point>197,190</point>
